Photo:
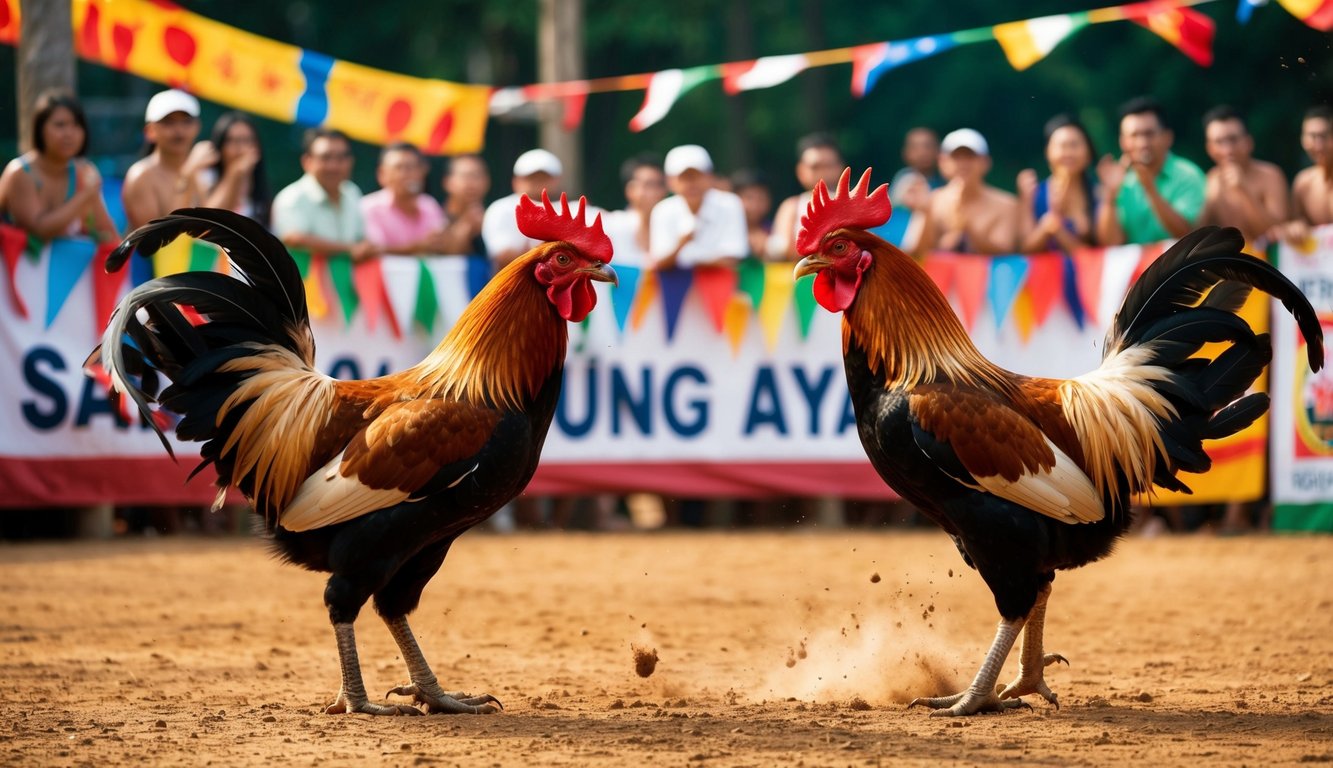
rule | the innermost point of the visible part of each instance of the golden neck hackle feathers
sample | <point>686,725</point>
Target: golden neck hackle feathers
<point>503,347</point>
<point>909,332</point>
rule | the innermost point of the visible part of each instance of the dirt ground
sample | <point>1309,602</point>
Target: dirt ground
<point>773,649</point>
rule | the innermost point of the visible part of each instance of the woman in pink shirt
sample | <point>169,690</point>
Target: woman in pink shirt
<point>400,218</point>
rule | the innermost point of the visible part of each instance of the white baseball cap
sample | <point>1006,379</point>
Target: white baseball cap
<point>537,161</point>
<point>965,138</point>
<point>686,157</point>
<point>166,102</point>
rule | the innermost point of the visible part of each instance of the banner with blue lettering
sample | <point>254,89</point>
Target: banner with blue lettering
<point>758,408</point>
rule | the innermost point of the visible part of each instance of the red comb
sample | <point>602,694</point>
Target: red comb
<point>853,209</point>
<point>545,223</point>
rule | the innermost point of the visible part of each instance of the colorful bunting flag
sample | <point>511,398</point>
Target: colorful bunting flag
<point>765,72</point>
<point>804,296</point>
<point>779,286</point>
<point>368,278</point>
<point>340,272</point>
<point>971,274</point>
<point>1071,291</point>
<point>1185,28</point>
<point>664,89</point>
<point>736,321</point>
<point>716,286</point>
<point>1027,42</point>
<point>1088,264</point>
<point>1008,273</point>
<point>107,286</point>
<point>12,243</point>
<point>174,257</point>
<point>452,293</point>
<point>401,279</point>
<point>751,280</point>
<point>1024,319</point>
<point>1316,13</point>
<point>479,272</point>
<point>427,305</point>
<point>203,256</point>
<point>647,295</point>
<point>622,294</point>
<point>1245,9</point>
<point>1045,280</point>
<point>675,284</point>
<point>870,62</point>
<point>69,259</point>
<point>1120,264</point>
<point>9,22</point>
<point>940,267</point>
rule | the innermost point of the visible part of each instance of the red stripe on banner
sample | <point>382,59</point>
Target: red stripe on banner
<point>85,481</point>
<point>745,480</point>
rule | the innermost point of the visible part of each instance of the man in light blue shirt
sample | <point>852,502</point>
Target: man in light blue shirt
<point>321,211</point>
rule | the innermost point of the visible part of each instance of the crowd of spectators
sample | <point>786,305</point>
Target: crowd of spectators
<point>679,211</point>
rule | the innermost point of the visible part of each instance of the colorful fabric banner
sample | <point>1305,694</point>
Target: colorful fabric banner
<point>1316,13</point>
<point>1027,42</point>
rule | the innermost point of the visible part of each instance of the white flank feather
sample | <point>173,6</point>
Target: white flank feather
<point>1063,492</point>
<point>328,497</point>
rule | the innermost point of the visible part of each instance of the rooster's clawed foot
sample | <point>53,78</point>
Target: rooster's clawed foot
<point>968,702</point>
<point>1034,681</point>
<point>438,700</point>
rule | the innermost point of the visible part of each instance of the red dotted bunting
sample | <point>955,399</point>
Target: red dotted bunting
<point>180,45</point>
<point>122,42</point>
<point>439,135</point>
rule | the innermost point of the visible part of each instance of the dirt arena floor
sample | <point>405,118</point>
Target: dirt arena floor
<point>773,649</point>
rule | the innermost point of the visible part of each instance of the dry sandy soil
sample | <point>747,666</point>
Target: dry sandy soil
<point>774,649</point>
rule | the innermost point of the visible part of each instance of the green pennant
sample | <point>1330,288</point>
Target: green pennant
<point>34,249</point>
<point>428,304</point>
<point>302,259</point>
<point>340,272</point>
<point>805,303</point>
<point>203,256</point>
<point>752,281</point>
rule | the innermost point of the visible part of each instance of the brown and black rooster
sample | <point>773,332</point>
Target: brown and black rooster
<point>370,481</point>
<point>1032,475</point>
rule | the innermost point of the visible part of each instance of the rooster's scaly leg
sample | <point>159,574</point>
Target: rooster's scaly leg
<point>1032,659</point>
<point>352,697</point>
<point>424,688</point>
<point>980,695</point>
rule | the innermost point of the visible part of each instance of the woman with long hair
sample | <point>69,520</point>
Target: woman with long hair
<point>1058,212</point>
<point>234,179</point>
<point>53,190</point>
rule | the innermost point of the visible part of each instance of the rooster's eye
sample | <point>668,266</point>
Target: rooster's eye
<point>562,259</point>
<point>839,247</point>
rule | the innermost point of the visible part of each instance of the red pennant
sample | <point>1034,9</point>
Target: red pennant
<point>941,266</point>
<point>1188,30</point>
<point>1150,252</point>
<point>971,275</point>
<point>106,286</point>
<point>12,242</point>
<point>716,286</point>
<point>1089,264</point>
<point>573,116</point>
<point>373,296</point>
<point>1045,284</point>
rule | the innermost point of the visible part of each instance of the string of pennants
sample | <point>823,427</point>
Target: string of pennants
<point>1021,291</point>
<point>159,41</point>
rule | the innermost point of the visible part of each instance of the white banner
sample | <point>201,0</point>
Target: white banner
<point>1302,432</point>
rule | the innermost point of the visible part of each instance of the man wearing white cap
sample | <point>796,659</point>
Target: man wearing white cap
<point>164,180</point>
<point>534,171</point>
<point>697,225</point>
<point>967,215</point>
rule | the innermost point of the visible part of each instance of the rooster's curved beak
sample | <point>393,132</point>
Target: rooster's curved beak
<point>602,273</point>
<point>810,265</point>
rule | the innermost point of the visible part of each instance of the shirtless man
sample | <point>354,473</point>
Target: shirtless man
<point>1240,191</point>
<point>966,214</point>
<point>1312,190</point>
<point>166,179</point>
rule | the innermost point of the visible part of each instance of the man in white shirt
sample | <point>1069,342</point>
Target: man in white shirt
<point>534,171</point>
<point>698,225</point>
<point>645,186</point>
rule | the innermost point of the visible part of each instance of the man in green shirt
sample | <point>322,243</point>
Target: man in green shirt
<point>1156,195</point>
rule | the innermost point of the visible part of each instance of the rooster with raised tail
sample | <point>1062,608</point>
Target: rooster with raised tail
<point>370,481</point>
<point>1032,475</point>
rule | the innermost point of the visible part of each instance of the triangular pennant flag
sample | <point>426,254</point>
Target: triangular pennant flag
<point>1185,28</point>
<point>402,290</point>
<point>895,229</point>
<point>106,286</point>
<point>1027,42</point>
<point>1150,252</point>
<point>751,281</point>
<point>1044,284</point>
<point>141,270</point>
<point>737,319</point>
<point>69,259</point>
<point>1316,13</point>
<point>870,62</point>
<point>1072,299</point>
<point>1245,9</point>
<point>451,290</point>
<point>765,72</point>
<point>1089,264</point>
<point>203,256</point>
<point>340,272</point>
<point>803,293</point>
<point>368,278</point>
<point>716,286</point>
<point>1117,270</point>
<point>316,298</point>
<point>1024,319</point>
<point>643,299</point>
<point>675,284</point>
<point>34,249</point>
<point>427,306</point>
<point>778,285</point>
<point>173,258</point>
<point>573,114</point>
<point>478,275</point>
<point>12,243</point>
<point>941,266</point>
<point>971,273</point>
<point>1007,275</point>
<point>664,89</point>
<point>623,293</point>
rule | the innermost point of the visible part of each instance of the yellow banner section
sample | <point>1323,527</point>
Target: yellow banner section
<point>172,46</point>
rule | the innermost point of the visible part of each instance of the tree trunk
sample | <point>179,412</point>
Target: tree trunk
<point>560,58</point>
<point>45,57</point>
